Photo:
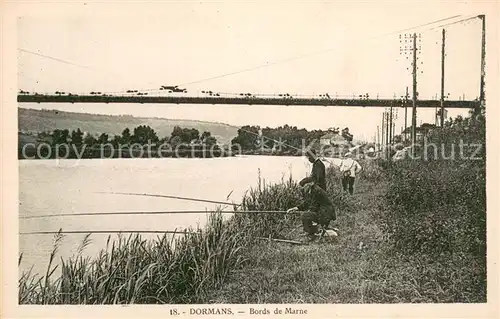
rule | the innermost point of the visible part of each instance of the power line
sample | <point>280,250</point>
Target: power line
<point>455,22</point>
<point>292,58</point>
<point>73,63</point>
<point>308,54</point>
<point>267,64</point>
<point>57,59</point>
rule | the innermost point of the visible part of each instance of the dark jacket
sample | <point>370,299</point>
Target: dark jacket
<point>317,201</point>
<point>318,175</point>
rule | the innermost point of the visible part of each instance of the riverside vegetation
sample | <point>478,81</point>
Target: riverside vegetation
<point>414,232</point>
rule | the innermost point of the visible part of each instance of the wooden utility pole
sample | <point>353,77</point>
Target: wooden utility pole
<point>483,60</point>
<point>378,137</point>
<point>383,129</point>
<point>390,125</point>
<point>414,98</point>
<point>442,77</point>
<point>386,133</point>
<point>406,116</point>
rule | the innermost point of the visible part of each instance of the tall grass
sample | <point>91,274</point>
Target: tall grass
<point>269,197</point>
<point>435,213</point>
<point>135,270</point>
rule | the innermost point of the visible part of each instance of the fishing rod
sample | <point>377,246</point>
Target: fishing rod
<point>171,196</point>
<point>160,213</point>
<point>108,232</point>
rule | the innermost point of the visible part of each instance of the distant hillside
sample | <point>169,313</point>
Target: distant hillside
<point>47,120</point>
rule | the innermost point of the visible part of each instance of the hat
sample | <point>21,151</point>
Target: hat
<point>347,154</point>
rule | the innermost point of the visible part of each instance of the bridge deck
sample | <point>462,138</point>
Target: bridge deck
<point>246,101</point>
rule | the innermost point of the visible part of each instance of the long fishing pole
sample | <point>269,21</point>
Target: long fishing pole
<point>108,232</point>
<point>171,196</point>
<point>160,213</point>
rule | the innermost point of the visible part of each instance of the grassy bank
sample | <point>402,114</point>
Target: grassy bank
<point>134,270</point>
<point>363,265</point>
<point>414,232</point>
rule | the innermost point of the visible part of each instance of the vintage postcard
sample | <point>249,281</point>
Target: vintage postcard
<point>249,159</point>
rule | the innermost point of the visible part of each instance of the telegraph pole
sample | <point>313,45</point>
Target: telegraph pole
<point>414,98</point>
<point>407,48</point>
<point>386,133</point>
<point>442,77</point>
<point>383,131</point>
<point>378,137</point>
<point>406,116</point>
<point>483,61</point>
<point>390,125</point>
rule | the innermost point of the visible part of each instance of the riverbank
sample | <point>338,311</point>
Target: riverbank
<point>225,262</point>
<point>359,266</point>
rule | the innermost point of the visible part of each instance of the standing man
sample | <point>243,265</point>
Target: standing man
<point>318,173</point>
<point>349,168</point>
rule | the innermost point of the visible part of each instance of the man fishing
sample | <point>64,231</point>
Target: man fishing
<point>318,173</point>
<point>317,207</point>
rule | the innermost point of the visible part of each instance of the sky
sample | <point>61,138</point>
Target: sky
<point>300,48</point>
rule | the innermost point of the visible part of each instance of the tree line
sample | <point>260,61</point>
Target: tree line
<point>141,135</point>
<point>248,136</point>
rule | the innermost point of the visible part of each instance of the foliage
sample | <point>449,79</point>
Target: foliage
<point>135,270</point>
<point>269,197</point>
<point>60,137</point>
<point>292,137</point>
<point>247,137</point>
<point>89,140</point>
<point>103,138</point>
<point>126,138</point>
<point>186,135</point>
<point>144,135</point>
<point>77,137</point>
<point>436,209</point>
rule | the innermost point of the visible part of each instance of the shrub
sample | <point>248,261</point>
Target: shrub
<point>436,207</point>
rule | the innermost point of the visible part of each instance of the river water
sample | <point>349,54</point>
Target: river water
<point>76,186</point>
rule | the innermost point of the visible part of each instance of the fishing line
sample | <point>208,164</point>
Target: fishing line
<point>108,232</point>
<point>171,196</point>
<point>160,213</point>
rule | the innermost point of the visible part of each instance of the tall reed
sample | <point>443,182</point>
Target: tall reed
<point>136,270</point>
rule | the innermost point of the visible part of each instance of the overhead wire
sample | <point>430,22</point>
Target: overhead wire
<point>456,22</point>
<point>298,57</point>
<point>267,64</point>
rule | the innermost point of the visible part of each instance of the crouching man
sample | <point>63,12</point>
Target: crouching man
<point>317,207</point>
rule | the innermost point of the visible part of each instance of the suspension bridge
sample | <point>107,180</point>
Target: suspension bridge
<point>353,102</point>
